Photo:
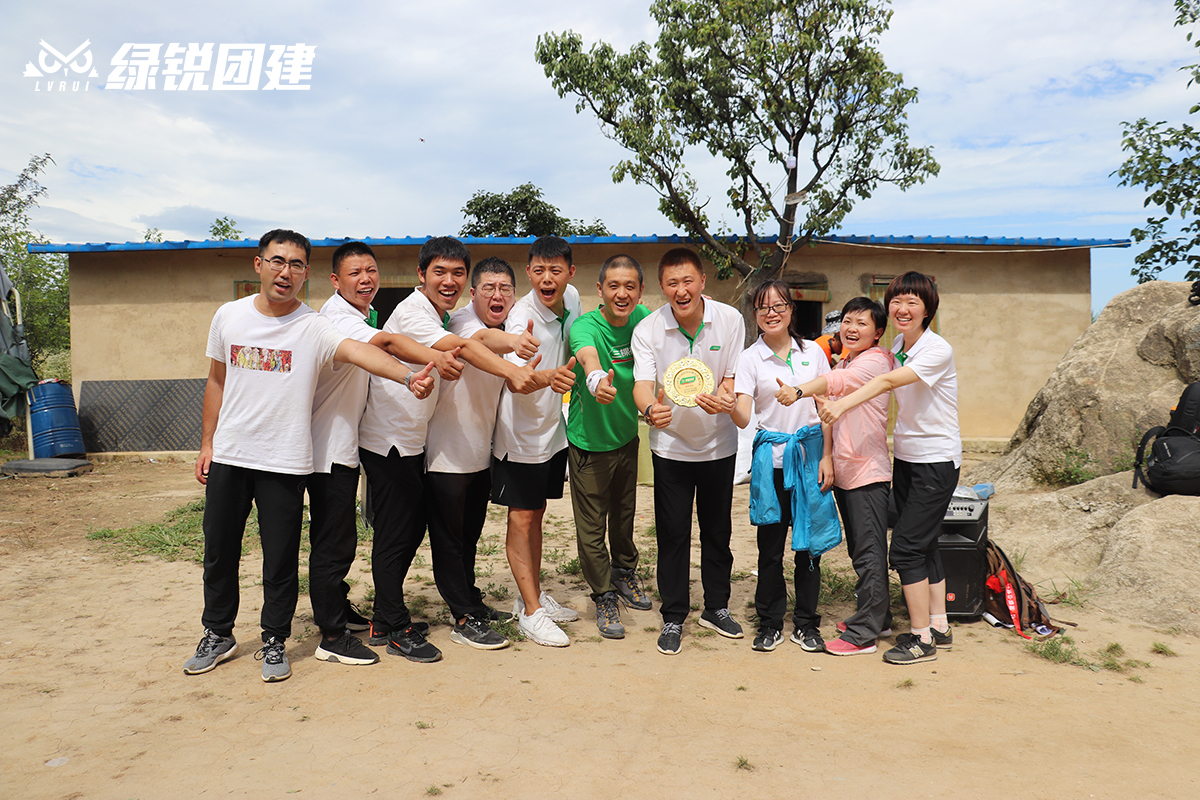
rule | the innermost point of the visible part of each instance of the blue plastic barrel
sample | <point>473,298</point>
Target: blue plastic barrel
<point>54,421</point>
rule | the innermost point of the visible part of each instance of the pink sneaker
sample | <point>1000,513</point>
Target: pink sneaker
<point>841,628</point>
<point>840,647</point>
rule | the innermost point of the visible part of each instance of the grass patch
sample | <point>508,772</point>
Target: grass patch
<point>743,763</point>
<point>572,567</point>
<point>1162,649</point>
<point>907,683</point>
<point>179,537</point>
<point>1075,593</point>
<point>496,592</point>
<point>1071,467</point>
<point>1060,650</point>
<point>417,604</point>
<point>837,586</point>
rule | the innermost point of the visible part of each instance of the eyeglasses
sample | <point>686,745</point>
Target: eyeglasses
<point>277,263</point>
<point>778,308</point>
<point>504,290</point>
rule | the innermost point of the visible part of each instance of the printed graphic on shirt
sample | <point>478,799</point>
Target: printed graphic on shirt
<point>621,354</point>
<point>264,359</point>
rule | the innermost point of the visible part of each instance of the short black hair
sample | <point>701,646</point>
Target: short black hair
<point>621,261</point>
<point>446,247</point>
<point>492,265</point>
<point>549,248</point>
<point>878,313</point>
<point>917,284</point>
<point>679,255</point>
<point>284,236</point>
<point>350,249</point>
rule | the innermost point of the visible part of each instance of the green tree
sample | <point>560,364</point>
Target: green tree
<point>224,229</point>
<point>40,278</point>
<point>153,235</point>
<point>1165,160</point>
<point>521,212</point>
<point>793,95</point>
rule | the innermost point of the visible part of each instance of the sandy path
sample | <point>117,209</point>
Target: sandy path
<point>93,643</point>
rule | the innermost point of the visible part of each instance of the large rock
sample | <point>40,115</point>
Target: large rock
<point>1119,379</point>
<point>1149,568</point>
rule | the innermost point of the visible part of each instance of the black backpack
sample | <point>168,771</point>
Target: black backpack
<point>1173,465</point>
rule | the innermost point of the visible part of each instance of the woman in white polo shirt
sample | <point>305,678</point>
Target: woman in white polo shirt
<point>779,360</point>
<point>927,451</point>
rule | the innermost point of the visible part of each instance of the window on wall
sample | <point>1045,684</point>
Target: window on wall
<point>810,299</point>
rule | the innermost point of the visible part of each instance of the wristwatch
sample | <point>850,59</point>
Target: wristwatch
<point>408,380</point>
<point>799,392</point>
<point>646,414</point>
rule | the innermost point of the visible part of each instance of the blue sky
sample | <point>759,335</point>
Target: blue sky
<point>415,106</point>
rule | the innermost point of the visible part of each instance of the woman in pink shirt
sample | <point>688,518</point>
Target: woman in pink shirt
<point>862,471</point>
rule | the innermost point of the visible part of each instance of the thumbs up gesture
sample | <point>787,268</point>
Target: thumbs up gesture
<point>448,365</point>
<point>527,344</point>
<point>660,412</point>
<point>564,377</point>
<point>421,383</point>
<point>606,392</point>
<point>786,395</point>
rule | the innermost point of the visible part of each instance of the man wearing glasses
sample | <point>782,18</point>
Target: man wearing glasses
<point>458,455</point>
<point>391,441</point>
<point>256,442</point>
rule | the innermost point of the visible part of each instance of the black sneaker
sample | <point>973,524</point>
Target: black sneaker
<point>944,641</point>
<point>489,614</point>
<point>346,649</point>
<point>630,590</point>
<point>379,636</point>
<point>670,641</point>
<point>354,620</point>
<point>720,621</point>
<point>910,649</point>
<point>476,633</point>
<point>412,644</point>
<point>767,639</point>
<point>809,639</point>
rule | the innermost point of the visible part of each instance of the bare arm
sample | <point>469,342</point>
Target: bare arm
<point>722,402</point>
<point>406,349</point>
<point>887,382</point>
<point>825,467</point>
<point>589,359</point>
<point>643,396</point>
<point>525,344</point>
<point>214,393</point>
<point>741,410</point>
<point>377,362</point>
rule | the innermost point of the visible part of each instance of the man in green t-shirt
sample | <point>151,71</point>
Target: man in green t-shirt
<point>602,434</point>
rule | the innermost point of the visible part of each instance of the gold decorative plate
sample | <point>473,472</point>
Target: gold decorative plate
<point>687,378</point>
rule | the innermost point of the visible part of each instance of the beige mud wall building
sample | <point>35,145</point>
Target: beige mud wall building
<point>140,313</point>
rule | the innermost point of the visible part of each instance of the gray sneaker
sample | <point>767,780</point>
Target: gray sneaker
<point>275,663</point>
<point>474,632</point>
<point>212,650</point>
<point>608,616</point>
<point>629,589</point>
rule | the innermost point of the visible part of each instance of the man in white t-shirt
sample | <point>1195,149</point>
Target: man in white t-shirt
<point>529,463</point>
<point>693,448</point>
<point>338,404</point>
<point>256,442</point>
<point>458,456</point>
<point>391,441</point>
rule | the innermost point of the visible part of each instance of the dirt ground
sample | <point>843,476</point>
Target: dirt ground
<point>94,702</point>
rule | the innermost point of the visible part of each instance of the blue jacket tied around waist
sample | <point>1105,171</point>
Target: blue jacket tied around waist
<point>815,525</point>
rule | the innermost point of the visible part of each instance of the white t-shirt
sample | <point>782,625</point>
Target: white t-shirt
<point>459,438</point>
<point>658,342</point>
<point>341,393</point>
<point>530,427</point>
<point>926,429</point>
<point>757,370</point>
<point>271,366</point>
<point>394,417</point>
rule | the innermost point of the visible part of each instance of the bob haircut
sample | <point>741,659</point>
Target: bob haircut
<point>878,313</point>
<point>915,283</point>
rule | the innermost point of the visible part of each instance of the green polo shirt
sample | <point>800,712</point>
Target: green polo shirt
<point>590,425</point>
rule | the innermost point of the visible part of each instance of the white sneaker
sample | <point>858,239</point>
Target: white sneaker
<point>539,628</point>
<point>553,609</point>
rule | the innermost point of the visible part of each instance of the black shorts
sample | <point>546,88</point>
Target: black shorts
<point>528,486</point>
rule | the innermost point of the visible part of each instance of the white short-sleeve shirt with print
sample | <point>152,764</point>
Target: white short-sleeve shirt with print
<point>926,429</point>
<point>271,367</point>
<point>341,393</point>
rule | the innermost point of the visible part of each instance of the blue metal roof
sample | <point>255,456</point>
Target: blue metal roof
<point>209,244</point>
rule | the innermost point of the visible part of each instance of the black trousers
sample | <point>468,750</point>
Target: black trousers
<point>334,538</point>
<point>398,495</point>
<point>770,597</point>
<point>923,491</point>
<point>864,512</point>
<point>227,499</point>
<point>677,485</point>
<point>456,504</point>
